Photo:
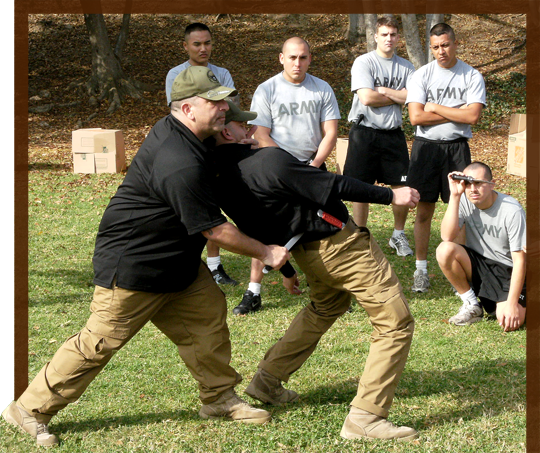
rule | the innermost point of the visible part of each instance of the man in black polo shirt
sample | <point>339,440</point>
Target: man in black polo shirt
<point>338,258</point>
<point>148,267</point>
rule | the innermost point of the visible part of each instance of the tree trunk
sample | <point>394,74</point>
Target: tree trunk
<point>122,37</point>
<point>371,22</point>
<point>356,28</point>
<point>108,80</point>
<point>412,40</point>
<point>431,20</point>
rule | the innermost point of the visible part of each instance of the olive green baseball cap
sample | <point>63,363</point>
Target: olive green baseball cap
<point>236,114</point>
<point>199,81</point>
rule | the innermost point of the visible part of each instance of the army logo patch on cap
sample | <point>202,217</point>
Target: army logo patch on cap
<point>212,77</point>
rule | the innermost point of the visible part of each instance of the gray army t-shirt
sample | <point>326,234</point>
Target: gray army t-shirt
<point>370,71</point>
<point>294,112</point>
<point>495,232</point>
<point>461,84</point>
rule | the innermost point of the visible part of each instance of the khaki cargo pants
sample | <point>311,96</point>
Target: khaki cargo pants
<point>349,263</point>
<point>194,319</point>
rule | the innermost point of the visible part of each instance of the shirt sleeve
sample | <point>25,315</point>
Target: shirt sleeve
<point>352,189</point>
<point>171,75</point>
<point>476,92</point>
<point>361,75</point>
<point>415,89</point>
<point>227,79</point>
<point>261,104</point>
<point>330,110</point>
<point>408,76</point>
<point>517,231</point>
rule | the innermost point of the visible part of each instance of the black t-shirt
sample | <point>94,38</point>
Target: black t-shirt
<point>150,235</point>
<point>272,196</point>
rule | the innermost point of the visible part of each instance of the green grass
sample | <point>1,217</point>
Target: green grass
<point>463,388</point>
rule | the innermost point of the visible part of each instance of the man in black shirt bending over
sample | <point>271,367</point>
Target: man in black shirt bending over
<point>338,260</point>
<point>147,266</point>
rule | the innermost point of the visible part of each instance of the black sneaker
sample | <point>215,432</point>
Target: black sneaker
<point>250,303</point>
<point>221,277</point>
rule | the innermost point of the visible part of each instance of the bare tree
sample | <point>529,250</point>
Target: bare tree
<point>108,80</point>
<point>122,37</point>
<point>431,20</point>
<point>371,23</point>
<point>412,40</point>
<point>356,28</point>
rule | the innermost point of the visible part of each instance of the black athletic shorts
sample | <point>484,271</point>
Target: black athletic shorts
<point>377,155</point>
<point>431,161</point>
<point>491,281</point>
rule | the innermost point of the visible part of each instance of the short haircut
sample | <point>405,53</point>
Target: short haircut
<point>195,26</point>
<point>298,39</point>
<point>442,29</point>
<point>176,106</point>
<point>477,164</point>
<point>386,21</point>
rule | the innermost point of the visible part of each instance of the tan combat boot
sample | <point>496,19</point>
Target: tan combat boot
<point>360,424</point>
<point>28,423</point>
<point>268,389</point>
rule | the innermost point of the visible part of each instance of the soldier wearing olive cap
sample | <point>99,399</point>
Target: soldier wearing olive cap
<point>147,267</point>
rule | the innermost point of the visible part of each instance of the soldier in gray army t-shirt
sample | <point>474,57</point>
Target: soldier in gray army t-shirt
<point>377,150</point>
<point>298,113</point>
<point>445,98</point>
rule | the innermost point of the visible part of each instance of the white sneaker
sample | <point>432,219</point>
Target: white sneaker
<point>401,244</point>
<point>421,282</point>
<point>467,314</point>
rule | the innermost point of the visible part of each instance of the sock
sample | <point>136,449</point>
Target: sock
<point>421,265</point>
<point>469,297</point>
<point>255,288</point>
<point>396,233</point>
<point>213,262</point>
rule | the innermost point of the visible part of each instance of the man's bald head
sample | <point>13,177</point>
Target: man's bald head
<point>297,41</point>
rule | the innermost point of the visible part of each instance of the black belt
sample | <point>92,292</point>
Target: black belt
<point>384,131</point>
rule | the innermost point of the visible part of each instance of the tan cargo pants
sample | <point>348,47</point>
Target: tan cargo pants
<point>194,319</point>
<point>349,263</point>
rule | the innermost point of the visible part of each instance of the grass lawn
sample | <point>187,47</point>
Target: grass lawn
<point>463,387</point>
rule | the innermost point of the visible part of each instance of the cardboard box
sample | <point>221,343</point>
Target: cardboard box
<point>517,145</point>
<point>98,151</point>
<point>341,154</point>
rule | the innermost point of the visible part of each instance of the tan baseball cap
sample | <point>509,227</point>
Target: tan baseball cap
<point>199,81</point>
<point>236,114</point>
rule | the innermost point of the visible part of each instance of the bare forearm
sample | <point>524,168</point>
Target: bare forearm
<point>372,98</point>
<point>327,143</point>
<point>397,96</point>
<point>228,237</point>
<point>465,114</point>
<point>450,223</point>
<point>518,277</point>
<point>262,135</point>
<point>419,117</point>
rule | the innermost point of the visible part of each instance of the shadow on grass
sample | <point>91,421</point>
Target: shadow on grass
<point>59,285</point>
<point>482,388</point>
<point>97,423</point>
